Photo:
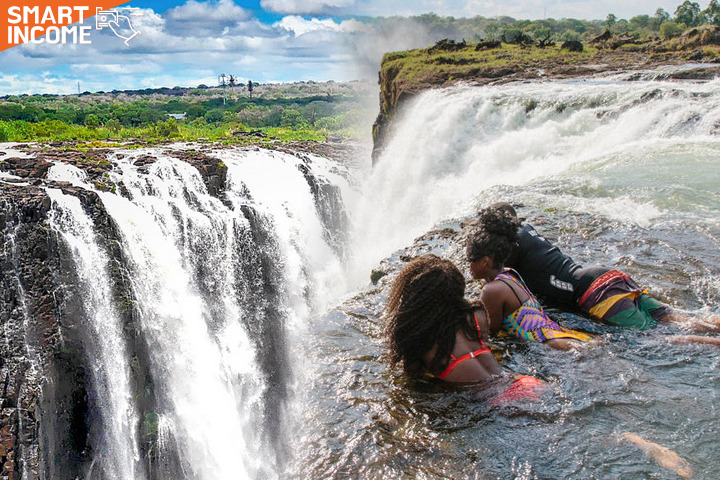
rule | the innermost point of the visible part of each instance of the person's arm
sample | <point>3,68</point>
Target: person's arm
<point>495,296</point>
<point>684,339</point>
<point>664,457</point>
<point>709,324</point>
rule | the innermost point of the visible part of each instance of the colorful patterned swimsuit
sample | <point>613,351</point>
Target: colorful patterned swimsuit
<point>529,321</point>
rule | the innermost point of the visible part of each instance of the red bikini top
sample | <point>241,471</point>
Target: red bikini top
<point>457,361</point>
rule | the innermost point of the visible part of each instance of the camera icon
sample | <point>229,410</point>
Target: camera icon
<point>104,17</point>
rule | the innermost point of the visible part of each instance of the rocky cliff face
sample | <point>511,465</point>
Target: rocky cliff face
<point>25,261</point>
<point>405,74</point>
<point>44,368</point>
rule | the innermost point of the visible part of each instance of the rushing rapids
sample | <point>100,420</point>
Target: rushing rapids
<point>175,314</point>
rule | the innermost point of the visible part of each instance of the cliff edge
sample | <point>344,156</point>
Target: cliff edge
<point>405,74</point>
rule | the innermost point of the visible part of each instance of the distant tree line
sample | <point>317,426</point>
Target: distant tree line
<point>660,24</point>
<point>320,111</point>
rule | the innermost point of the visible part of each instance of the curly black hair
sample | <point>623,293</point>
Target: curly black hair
<point>427,307</point>
<point>493,235</point>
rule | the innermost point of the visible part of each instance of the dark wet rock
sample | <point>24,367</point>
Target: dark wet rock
<point>144,160</point>
<point>603,37</point>
<point>696,55</point>
<point>26,264</point>
<point>95,162</point>
<point>376,275</point>
<point>447,45</point>
<point>488,44</point>
<point>213,170</point>
<point>25,167</point>
<point>572,46</point>
<point>344,151</point>
<point>251,133</point>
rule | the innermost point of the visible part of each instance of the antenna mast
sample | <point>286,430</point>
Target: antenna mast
<point>221,80</point>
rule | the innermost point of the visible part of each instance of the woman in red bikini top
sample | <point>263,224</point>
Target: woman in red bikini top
<point>431,327</point>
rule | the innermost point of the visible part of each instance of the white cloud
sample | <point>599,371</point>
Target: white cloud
<point>35,83</point>
<point>125,68</point>
<point>204,17</point>
<point>308,6</point>
<point>220,11</point>
<point>197,40</point>
<point>300,26</point>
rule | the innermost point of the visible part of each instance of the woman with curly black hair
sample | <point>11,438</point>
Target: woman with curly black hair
<point>510,303</point>
<point>432,328</point>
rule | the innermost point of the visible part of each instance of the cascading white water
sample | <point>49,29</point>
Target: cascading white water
<point>200,274</point>
<point>170,225</point>
<point>272,183</point>
<point>117,445</point>
<point>452,144</point>
<point>620,174</point>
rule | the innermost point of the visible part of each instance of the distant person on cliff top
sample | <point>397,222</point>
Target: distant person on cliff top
<point>510,304</point>
<point>605,294</point>
<point>431,328</point>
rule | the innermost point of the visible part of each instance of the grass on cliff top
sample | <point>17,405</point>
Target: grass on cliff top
<point>420,65</point>
<point>431,65</point>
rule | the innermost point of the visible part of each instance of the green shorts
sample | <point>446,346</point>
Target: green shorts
<point>643,314</point>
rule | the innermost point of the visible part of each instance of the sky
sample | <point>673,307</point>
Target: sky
<point>191,42</point>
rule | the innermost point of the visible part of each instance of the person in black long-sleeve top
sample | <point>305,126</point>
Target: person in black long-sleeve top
<point>605,294</point>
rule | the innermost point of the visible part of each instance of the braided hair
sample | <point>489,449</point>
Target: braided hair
<point>427,307</point>
<point>494,235</point>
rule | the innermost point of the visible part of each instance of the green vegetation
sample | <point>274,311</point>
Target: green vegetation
<point>519,47</point>
<point>643,27</point>
<point>299,111</point>
<point>503,49</point>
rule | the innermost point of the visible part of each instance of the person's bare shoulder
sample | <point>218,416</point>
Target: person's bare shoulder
<point>496,288</point>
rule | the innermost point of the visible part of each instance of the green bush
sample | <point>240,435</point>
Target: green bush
<point>671,29</point>
<point>92,121</point>
<point>168,129</point>
<point>51,129</point>
<point>214,116</point>
<point>292,118</point>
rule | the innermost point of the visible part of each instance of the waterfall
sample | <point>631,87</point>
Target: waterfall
<point>449,145</point>
<point>116,433</point>
<point>187,305</point>
<point>220,291</point>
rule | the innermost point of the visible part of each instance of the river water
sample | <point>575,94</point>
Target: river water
<point>261,332</point>
<point>618,173</point>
